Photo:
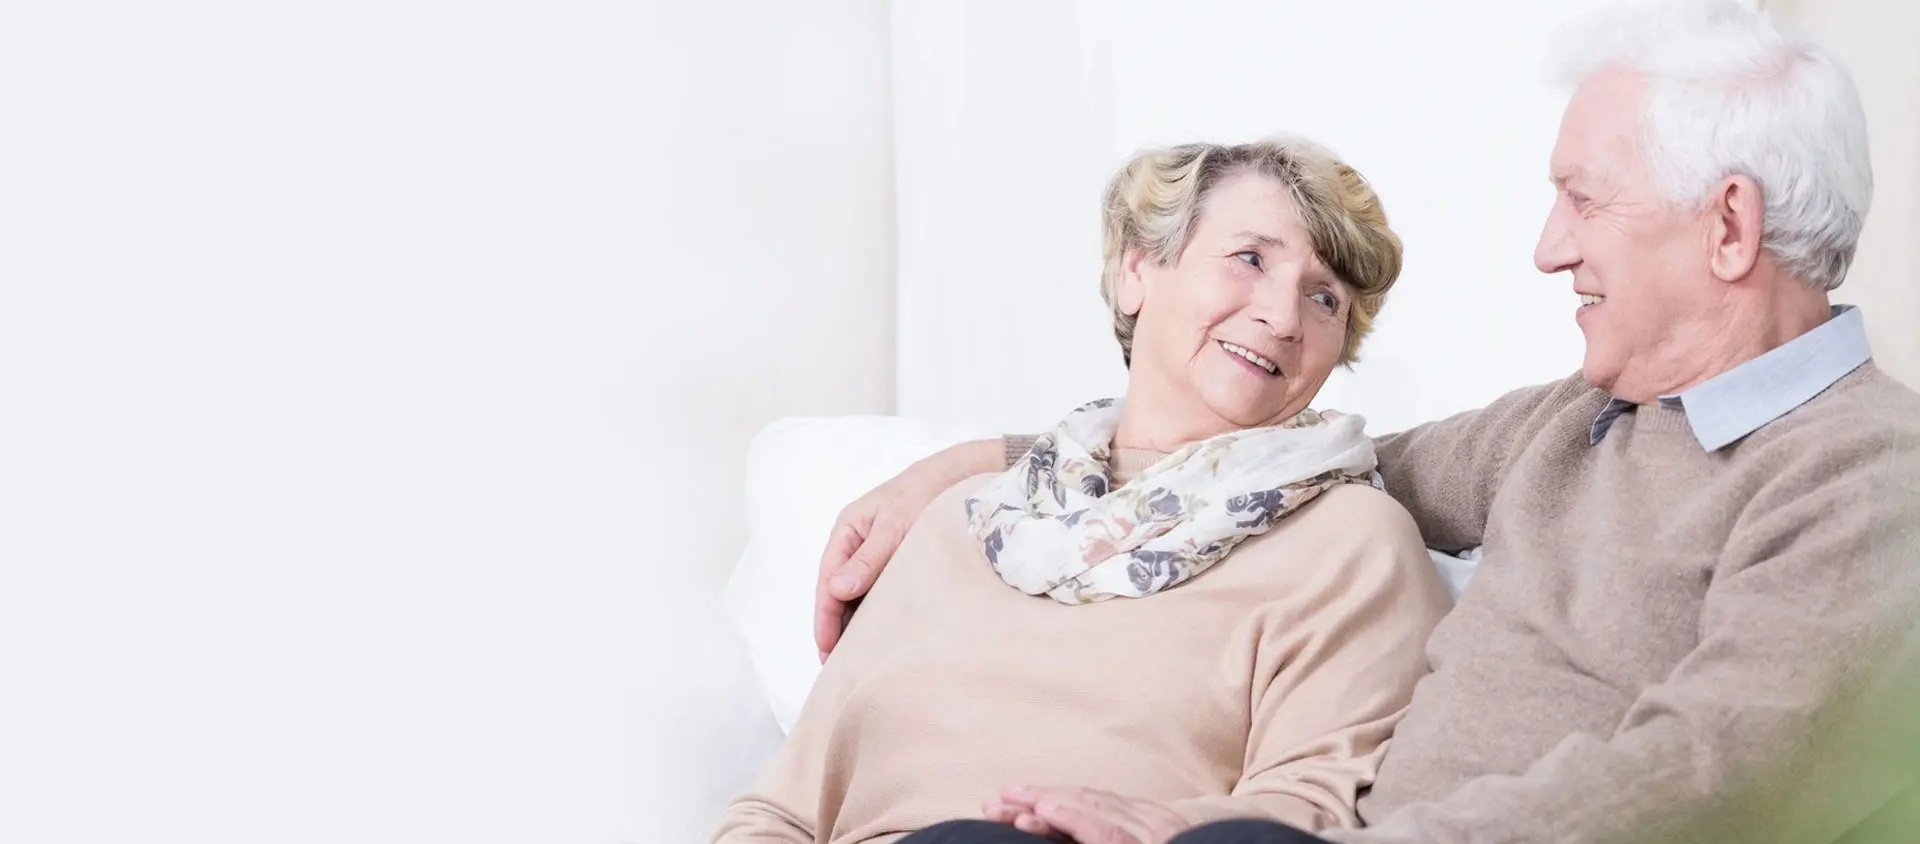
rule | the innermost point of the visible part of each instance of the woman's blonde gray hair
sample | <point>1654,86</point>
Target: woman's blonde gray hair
<point>1153,203</point>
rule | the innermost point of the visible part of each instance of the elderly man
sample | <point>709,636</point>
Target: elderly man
<point>1696,616</point>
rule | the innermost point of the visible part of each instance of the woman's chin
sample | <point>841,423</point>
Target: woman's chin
<point>1246,401</point>
<point>1245,413</point>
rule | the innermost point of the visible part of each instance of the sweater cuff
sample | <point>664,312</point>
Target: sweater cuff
<point>1017,446</point>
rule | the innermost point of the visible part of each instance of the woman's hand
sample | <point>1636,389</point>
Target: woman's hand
<point>1086,816</point>
<point>1021,818</point>
<point>870,530</point>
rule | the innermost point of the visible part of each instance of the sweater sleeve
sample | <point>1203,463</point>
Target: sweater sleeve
<point>799,794</point>
<point>1445,472</point>
<point>1335,666</point>
<point>1016,447</point>
<point>783,804</point>
<point>780,807</point>
<point>1792,719</point>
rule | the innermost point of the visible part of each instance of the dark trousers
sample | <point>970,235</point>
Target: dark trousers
<point>1225,832</point>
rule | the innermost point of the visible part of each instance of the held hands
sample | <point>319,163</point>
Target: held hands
<point>870,530</point>
<point>1085,815</point>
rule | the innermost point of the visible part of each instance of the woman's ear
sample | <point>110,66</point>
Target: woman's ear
<point>1132,292</point>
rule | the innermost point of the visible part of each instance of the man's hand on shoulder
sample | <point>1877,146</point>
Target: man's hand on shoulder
<point>870,529</point>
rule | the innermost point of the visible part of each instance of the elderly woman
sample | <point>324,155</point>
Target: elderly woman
<point>1195,600</point>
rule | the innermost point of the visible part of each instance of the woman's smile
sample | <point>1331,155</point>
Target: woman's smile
<point>1252,360</point>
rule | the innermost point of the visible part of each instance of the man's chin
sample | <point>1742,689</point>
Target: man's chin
<point>1600,376</point>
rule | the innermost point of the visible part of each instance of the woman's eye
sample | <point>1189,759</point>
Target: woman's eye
<point>1252,258</point>
<point>1328,301</point>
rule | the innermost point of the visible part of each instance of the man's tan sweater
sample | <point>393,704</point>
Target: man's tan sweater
<point>1266,687</point>
<point>1663,643</point>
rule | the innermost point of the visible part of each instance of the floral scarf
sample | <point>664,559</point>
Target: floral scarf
<point>1051,525</point>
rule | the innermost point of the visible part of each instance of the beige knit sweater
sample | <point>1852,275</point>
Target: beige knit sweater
<point>1663,644</point>
<point>1265,687</point>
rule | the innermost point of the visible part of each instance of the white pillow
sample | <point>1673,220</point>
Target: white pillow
<point>1456,571</point>
<point>800,473</point>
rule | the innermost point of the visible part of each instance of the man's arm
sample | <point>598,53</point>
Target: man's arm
<point>1798,713</point>
<point>1445,473</point>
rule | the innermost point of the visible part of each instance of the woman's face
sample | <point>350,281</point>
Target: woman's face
<point>1243,329</point>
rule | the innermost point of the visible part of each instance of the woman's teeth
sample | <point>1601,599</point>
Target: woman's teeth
<point>1590,299</point>
<point>1271,367</point>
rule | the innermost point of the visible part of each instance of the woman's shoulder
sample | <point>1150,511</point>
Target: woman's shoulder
<point>1347,530</point>
<point>1357,513</point>
<point>951,500</point>
<point>945,518</point>
<point>938,538</point>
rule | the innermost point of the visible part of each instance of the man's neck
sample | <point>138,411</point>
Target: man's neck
<point>1750,330</point>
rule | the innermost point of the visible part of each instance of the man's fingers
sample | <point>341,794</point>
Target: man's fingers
<point>857,576</point>
<point>829,621</point>
<point>830,609</point>
<point>849,532</point>
<point>849,580</point>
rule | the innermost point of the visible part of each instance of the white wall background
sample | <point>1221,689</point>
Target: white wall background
<point>1011,116</point>
<point>374,384</point>
<point>1876,39</point>
<point>375,377</point>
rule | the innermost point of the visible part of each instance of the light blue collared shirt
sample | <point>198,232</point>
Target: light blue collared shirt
<point>1727,407</point>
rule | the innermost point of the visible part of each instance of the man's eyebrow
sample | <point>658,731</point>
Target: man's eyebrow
<point>1262,239</point>
<point>1560,177</point>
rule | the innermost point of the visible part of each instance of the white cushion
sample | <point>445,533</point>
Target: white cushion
<point>800,473</point>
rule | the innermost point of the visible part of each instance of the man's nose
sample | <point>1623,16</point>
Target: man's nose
<point>1555,251</point>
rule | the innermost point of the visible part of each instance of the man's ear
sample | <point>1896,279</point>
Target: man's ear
<point>1132,292</point>
<point>1736,217</point>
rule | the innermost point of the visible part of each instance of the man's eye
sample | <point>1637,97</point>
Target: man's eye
<point>1252,258</point>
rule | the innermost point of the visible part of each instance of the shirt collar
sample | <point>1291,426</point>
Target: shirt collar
<point>1727,407</point>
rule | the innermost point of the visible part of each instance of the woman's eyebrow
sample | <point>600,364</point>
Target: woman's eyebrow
<point>1262,239</point>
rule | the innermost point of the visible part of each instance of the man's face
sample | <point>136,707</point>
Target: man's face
<point>1639,263</point>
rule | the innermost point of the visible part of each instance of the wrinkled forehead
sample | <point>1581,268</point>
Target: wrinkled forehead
<point>1247,202</point>
<point>1601,130</point>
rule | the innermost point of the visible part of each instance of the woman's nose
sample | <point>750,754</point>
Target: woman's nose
<point>1277,308</point>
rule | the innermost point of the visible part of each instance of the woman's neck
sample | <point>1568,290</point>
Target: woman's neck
<point>1151,420</point>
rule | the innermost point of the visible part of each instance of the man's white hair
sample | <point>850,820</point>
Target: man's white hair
<point>1731,91</point>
